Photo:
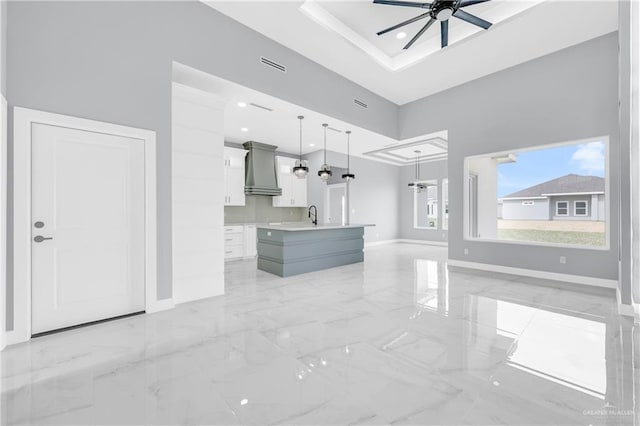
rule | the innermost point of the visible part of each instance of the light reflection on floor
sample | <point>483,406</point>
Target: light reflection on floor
<point>399,339</point>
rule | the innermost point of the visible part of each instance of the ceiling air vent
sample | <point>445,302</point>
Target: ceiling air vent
<point>360,103</point>
<point>273,64</point>
<point>261,107</point>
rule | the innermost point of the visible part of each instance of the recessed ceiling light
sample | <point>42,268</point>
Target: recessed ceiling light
<point>312,144</point>
<point>401,35</point>
<point>244,129</point>
<point>242,104</point>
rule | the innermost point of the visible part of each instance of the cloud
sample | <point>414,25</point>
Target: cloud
<point>589,157</point>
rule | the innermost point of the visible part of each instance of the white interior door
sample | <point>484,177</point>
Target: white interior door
<point>87,222</point>
<point>335,200</point>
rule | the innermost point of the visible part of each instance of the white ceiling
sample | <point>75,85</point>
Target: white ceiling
<point>280,126</point>
<point>340,35</point>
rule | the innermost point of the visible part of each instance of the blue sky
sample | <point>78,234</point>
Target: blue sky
<point>534,167</point>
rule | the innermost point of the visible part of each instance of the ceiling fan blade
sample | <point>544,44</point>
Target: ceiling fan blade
<point>417,36</point>
<point>472,19</point>
<point>465,3</point>
<point>444,33</point>
<point>403,3</point>
<point>402,24</point>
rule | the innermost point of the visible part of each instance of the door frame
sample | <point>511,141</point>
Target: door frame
<point>23,119</point>
<point>327,199</point>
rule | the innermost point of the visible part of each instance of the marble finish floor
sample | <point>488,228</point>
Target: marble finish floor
<point>397,339</point>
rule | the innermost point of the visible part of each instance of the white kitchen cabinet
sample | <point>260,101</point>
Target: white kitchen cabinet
<point>294,190</point>
<point>233,242</point>
<point>240,241</point>
<point>234,176</point>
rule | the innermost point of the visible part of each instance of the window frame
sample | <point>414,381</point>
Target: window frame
<point>558,207</point>
<point>586,208</point>
<point>466,224</point>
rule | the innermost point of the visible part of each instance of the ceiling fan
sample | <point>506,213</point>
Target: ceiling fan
<point>439,10</point>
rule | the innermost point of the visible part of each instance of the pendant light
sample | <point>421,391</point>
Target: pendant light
<point>348,176</point>
<point>419,186</point>
<point>300,169</point>
<point>325,170</point>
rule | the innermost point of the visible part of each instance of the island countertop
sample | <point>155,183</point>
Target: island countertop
<point>303,226</point>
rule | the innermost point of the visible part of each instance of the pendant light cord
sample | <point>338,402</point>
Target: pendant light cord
<point>300,117</point>
<point>348,151</point>
<point>325,142</point>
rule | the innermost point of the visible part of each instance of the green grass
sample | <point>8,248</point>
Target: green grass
<point>557,237</point>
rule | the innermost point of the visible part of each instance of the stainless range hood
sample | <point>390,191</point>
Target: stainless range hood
<point>260,169</point>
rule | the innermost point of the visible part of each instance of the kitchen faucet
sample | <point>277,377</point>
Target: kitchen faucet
<point>315,214</point>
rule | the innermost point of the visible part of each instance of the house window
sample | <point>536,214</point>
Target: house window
<point>580,208</point>
<point>508,197</point>
<point>562,208</point>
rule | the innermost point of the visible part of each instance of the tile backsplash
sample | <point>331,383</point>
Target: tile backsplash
<point>259,208</point>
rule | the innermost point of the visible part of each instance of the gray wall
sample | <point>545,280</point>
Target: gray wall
<point>515,210</point>
<point>433,170</point>
<point>112,61</point>
<point>374,193</point>
<point>568,95</point>
<point>3,46</point>
<point>259,208</point>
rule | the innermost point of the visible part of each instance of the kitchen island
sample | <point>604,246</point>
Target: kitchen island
<point>296,248</point>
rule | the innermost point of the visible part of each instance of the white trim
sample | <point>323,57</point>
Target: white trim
<point>521,198</point>
<point>327,199</point>
<point>406,241</point>
<point>573,193</point>
<point>423,242</point>
<point>557,207</point>
<point>632,310</point>
<point>159,305</point>
<point>23,120</point>
<point>555,276</point>
<point>575,208</point>
<point>380,243</point>
<point>3,221</point>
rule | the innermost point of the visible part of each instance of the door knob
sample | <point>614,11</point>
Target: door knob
<point>40,238</point>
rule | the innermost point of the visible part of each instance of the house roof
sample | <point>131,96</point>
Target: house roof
<point>568,184</point>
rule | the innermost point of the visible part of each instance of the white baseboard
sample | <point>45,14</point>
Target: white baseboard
<point>159,305</point>
<point>574,279</point>
<point>632,310</point>
<point>13,336</point>
<point>380,243</point>
<point>406,241</point>
<point>425,242</point>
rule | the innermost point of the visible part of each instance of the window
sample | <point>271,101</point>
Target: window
<point>510,198</point>
<point>562,208</point>
<point>580,208</point>
<point>425,200</point>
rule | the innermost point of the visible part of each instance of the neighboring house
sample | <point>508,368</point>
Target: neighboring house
<point>570,197</point>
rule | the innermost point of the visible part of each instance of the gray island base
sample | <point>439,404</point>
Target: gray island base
<point>293,249</point>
